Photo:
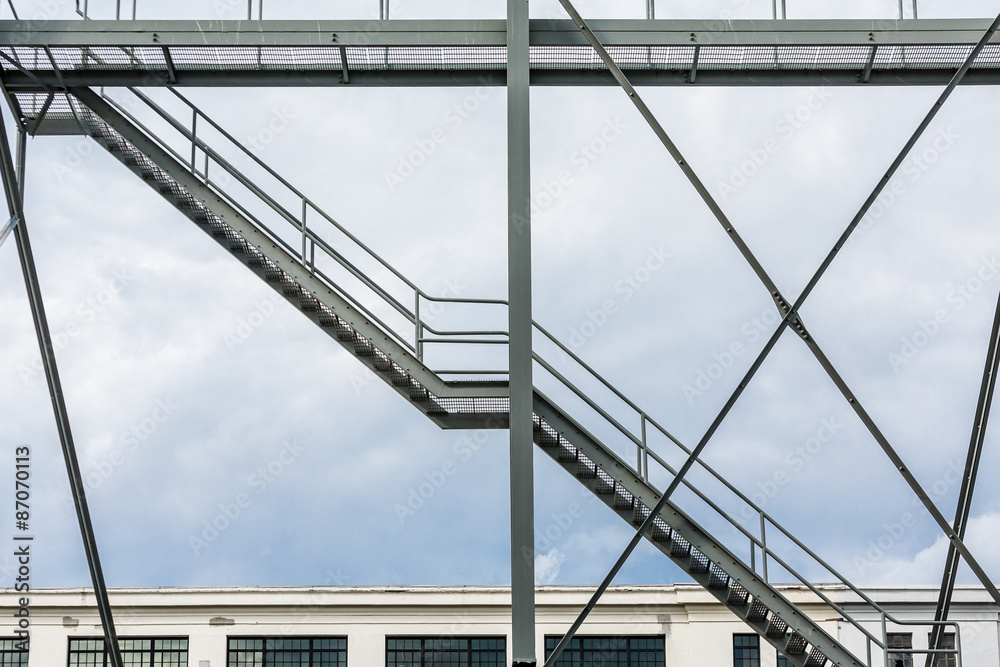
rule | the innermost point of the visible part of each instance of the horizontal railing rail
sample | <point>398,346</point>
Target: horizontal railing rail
<point>207,163</point>
<point>779,9</point>
<point>765,523</point>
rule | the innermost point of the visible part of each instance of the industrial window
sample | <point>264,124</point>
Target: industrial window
<point>445,651</point>
<point>144,652</point>
<point>746,651</point>
<point>609,651</point>
<point>11,655</point>
<point>947,641</point>
<point>899,640</point>
<point>784,662</point>
<point>287,652</point>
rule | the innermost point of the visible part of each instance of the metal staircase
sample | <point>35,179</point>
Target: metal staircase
<point>371,321</point>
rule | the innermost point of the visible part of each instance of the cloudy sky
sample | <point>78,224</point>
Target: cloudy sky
<point>194,392</point>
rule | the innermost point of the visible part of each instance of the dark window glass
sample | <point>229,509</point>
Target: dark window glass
<point>746,651</point>
<point>445,651</point>
<point>286,652</point>
<point>135,652</point>
<point>947,641</point>
<point>609,652</point>
<point>900,640</point>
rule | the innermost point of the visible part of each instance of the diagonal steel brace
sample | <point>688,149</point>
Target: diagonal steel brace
<point>13,181</point>
<point>790,313</point>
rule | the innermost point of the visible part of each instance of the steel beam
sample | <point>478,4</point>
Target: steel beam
<point>522,447</point>
<point>973,458</point>
<point>491,32</point>
<point>214,53</point>
<point>13,181</point>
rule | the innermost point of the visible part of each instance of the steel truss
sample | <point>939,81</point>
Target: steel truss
<point>48,68</point>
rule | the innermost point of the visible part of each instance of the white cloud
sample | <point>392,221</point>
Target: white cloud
<point>926,566</point>
<point>547,566</point>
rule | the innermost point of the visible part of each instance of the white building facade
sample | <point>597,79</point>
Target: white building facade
<point>644,626</point>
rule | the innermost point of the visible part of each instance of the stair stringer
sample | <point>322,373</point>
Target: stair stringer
<point>758,604</point>
<point>419,385</point>
<point>701,544</point>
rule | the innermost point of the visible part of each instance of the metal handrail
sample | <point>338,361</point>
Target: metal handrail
<point>765,518</point>
<point>310,238</point>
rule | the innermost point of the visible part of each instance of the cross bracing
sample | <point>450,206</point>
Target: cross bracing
<point>48,83</point>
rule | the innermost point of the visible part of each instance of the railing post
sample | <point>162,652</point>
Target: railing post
<point>418,327</point>
<point>885,642</point>
<point>305,238</point>
<point>194,140</point>
<point>763,548</point>
<point>644,453</point>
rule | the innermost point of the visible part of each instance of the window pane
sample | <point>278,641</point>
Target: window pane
<point>135,652</point>
<point>285,652</point>
<point>446,651</point>
<point>746,651</point>
<point>900,640</point>
<point>11,654</point>
<point>609,651</point>
<point>947,641</point>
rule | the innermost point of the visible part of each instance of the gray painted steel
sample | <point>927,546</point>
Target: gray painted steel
<point>13,182</point>
<point>522,504</point>
<point>473,53</point>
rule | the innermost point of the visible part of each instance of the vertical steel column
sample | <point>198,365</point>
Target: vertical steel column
<point>522,504</point>
<point>13,181</point>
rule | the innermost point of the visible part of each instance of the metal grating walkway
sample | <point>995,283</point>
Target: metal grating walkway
<point>393,53</point>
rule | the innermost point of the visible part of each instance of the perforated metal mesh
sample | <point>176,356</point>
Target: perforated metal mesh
<point>31,105</point>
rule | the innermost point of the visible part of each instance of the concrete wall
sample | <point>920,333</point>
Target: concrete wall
<point>697,630</point>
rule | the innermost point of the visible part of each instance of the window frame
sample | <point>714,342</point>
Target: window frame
<point>426,638</point>
<point>903,654</point>
<point>152,651</point>
<point>266,638</point>
<point>8,655</point>
<point>945,660</point>
<point>628,647</point>
<point>756,645</point>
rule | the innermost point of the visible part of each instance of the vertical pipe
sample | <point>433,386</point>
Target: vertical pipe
<point>901,9</point>
<point>118,10</point>
<point>774,9</point>
<point>915,9</point>
<point>784,10</point>
<point>522,561</point>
